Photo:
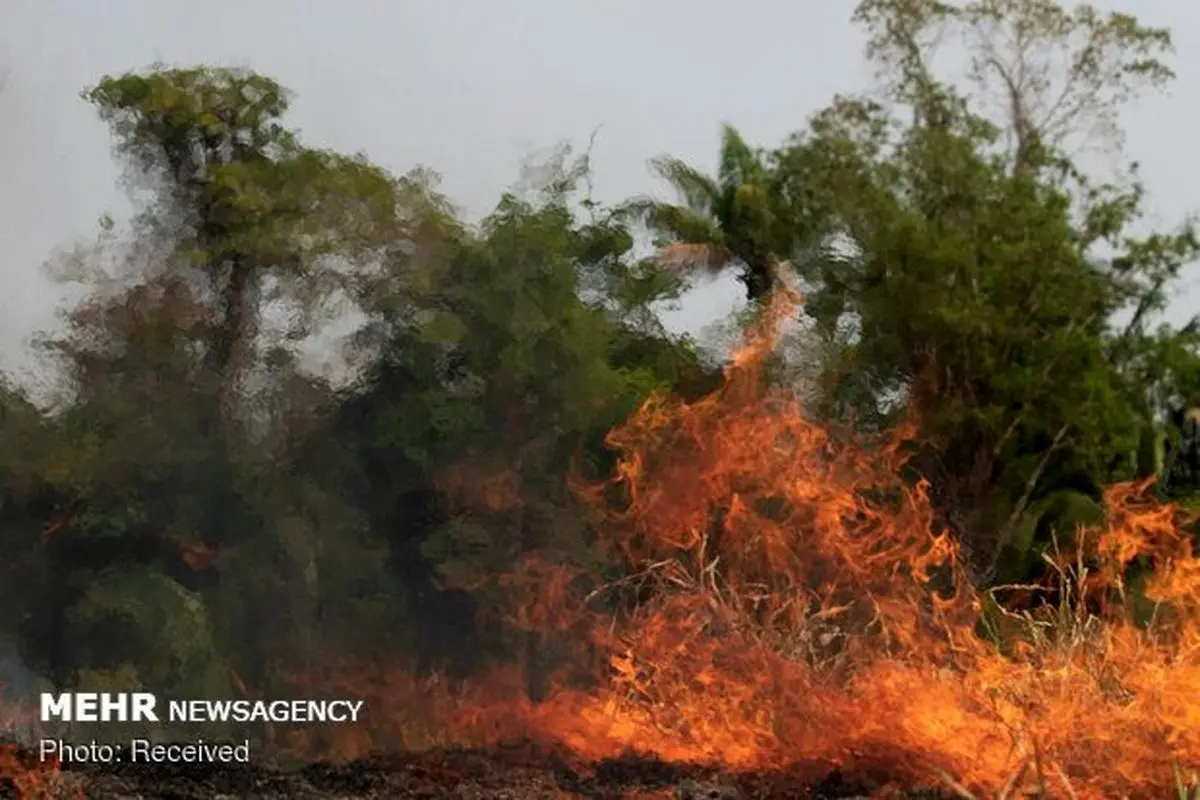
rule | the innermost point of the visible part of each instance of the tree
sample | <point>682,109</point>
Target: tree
<point>170,460</point>
<point>733,218</point>
<point>1048,76</point>
<point>252,216</point>
<point>972,275</point>
<point>482,395</point>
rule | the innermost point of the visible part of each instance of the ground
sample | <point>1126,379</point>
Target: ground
<point>495,774</point>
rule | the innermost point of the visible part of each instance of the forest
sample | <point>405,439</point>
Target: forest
<point>950,301</point>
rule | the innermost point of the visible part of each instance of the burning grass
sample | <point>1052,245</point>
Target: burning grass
<point>789,605</point>
<point>24,775</point>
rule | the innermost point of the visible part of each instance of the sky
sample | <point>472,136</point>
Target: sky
<point>468,88</point>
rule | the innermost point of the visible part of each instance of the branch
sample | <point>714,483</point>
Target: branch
<point>1010,524</point>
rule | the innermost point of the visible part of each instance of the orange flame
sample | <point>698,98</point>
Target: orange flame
<point>788,604</point>
<point>29,778</point>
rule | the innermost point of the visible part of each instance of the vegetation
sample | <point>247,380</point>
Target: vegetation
<point>199,513</point>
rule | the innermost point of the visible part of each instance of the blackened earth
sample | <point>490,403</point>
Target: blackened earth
<point>517,772</point>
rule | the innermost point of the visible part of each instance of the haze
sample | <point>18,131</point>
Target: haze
<point>467,88</point>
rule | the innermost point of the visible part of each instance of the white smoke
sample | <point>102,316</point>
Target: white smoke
<point>19,690</point>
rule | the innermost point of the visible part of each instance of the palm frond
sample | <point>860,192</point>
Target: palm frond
<point>638,209</point>
<point>739,163</point>
<point>675,223</point>
<point>683,225</point>
<point>699,193</point>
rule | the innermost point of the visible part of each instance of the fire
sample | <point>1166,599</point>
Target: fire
<point>22,773</point>
<point>789,604</point>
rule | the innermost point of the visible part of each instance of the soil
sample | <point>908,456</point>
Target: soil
<point>463,774</point>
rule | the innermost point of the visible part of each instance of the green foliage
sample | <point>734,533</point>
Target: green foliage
<point>143,619</point>
<point>970,277</point>
<point>198,509</point>
<point>490,388</point>
<point>246,207</point>
<point>1046,525</point>
<point>738,217</point>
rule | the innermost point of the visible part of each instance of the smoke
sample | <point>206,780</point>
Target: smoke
<point>58,176</point>
<point>19,688</point>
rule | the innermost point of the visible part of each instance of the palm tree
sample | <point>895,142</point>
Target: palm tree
<point>733,219</point>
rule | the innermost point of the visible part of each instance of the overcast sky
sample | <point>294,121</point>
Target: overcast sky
<point>466,87</point>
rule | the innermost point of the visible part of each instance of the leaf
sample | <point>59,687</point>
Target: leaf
<point>440,327</point>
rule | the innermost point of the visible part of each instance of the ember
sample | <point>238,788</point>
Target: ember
<point>24,775</point>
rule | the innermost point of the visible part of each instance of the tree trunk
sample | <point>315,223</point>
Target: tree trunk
<point>758,279</point>
<point>232,333</point>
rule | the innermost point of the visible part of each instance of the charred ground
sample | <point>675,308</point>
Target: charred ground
<point>516,772</point>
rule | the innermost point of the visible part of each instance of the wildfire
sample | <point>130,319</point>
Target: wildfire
<point>789,604</point>
<point>23,774</point>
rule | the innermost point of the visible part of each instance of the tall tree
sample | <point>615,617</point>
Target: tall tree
<point>972,273</point>
<point>483,393</point>
<point>254,217</point>
<point>1049,76</point>
<point>150,483</point>
<point>732,219</point>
